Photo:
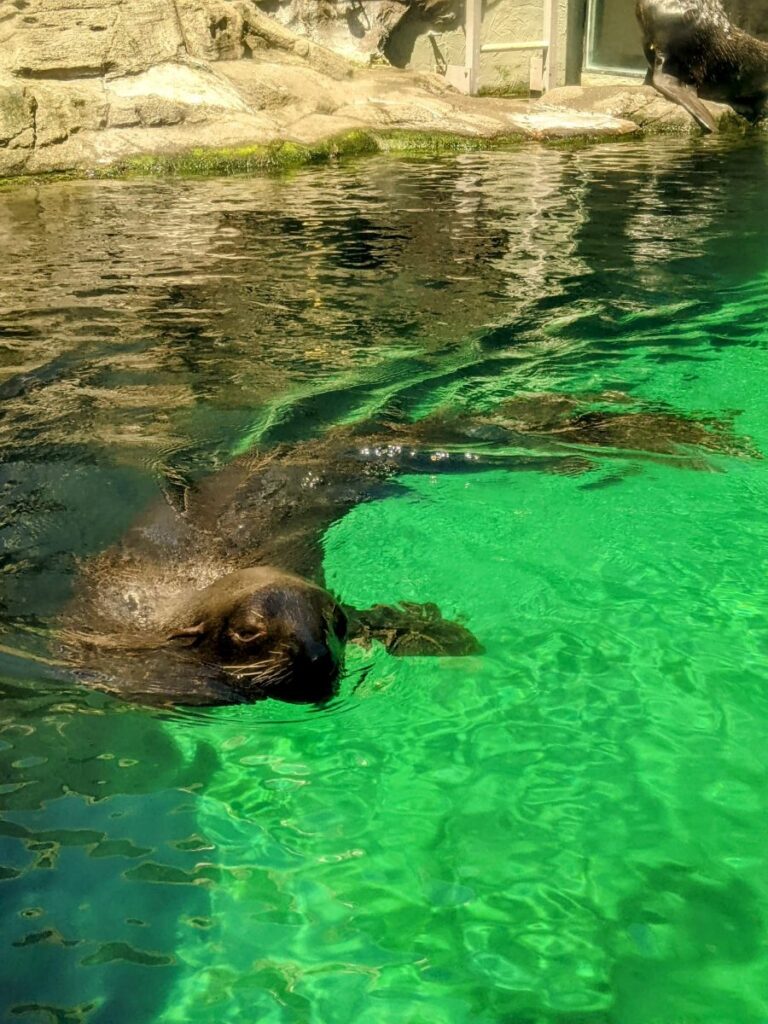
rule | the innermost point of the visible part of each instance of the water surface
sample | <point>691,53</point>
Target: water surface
<point>568,829</point>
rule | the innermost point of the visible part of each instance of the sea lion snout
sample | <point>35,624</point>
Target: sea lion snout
<point>276,635</point>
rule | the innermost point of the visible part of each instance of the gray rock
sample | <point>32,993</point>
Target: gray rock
<point>17,115</point>
<point>640,104</point>
<point>66,39</point>
<point>61,112</point>
<point>84,83</point>
<point>357,31</point>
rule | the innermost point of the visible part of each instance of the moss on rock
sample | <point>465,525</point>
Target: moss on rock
<point>414,143</point>
<point>271,158</point>
<point>280,157</point>
<point>284,156</point>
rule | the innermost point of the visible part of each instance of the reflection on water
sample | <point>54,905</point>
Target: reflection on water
<point>567,829</point>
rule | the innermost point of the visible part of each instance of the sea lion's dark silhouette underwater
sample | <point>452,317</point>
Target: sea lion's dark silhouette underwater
<point>694,53</point>
<point>218,596</point>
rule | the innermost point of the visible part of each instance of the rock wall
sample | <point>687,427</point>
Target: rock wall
<point>86,83</point>
<point>357,29</point>
<point>72,67</point>
<point>92,38</point>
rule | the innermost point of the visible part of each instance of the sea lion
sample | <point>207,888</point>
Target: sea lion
<point>217,595</point>
<point>694,53</point>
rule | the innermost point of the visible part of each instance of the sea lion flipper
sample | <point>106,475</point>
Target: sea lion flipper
<point>681,93</point>
<point>174,486</point>
<point>694,52</point>
<point>410,629</point>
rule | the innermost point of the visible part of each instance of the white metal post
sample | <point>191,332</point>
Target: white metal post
<point>550,34</point>
<point>472,23</point>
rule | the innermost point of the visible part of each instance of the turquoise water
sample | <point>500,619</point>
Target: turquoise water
<point>566,829</point>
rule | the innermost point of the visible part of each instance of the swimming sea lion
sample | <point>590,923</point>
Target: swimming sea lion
<point>218,596</point>
<point>694,53</point>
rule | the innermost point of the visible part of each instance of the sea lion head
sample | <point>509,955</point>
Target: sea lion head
<point>274,634</point>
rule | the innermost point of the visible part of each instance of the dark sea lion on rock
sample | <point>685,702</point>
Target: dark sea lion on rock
<point>218,596</point>
<point>694,53</point>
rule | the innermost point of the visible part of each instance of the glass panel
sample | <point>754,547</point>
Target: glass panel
<point>614,42</point>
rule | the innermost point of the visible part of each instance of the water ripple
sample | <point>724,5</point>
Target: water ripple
<point>567,828</point>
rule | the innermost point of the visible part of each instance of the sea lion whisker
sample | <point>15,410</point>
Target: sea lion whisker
<point>278,679</point>
<point>250,670</point>
<point>262,671</point>
<point>237,666</point>
<point>263,666</point>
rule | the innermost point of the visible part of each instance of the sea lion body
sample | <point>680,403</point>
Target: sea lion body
<point>217,595</point>
<point>227,577</point>
<point>694,53</point>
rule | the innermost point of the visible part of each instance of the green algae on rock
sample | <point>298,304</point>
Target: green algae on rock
<point>277,157</point>
<point>270,158</point>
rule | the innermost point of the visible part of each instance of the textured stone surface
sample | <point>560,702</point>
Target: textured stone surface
<point>262,34</point>
<point>640,104</point>
<point>91,38</point>
<point>84,83</point>
<point>87,38</point>
<point>17,115</point>
<point>60,113</point>
<point>355,30</point>
<point>212,29</point>
<point>17,127</point>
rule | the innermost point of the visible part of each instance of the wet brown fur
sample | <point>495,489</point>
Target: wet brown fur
<point>694,53</point>
<point>145,609</point>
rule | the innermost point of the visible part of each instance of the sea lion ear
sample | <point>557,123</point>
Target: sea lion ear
<point>191,633</point>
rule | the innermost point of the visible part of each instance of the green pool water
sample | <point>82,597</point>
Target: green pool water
<point>567,829</point>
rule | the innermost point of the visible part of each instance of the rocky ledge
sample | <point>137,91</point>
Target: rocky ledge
<point>254,105</point>
<point>641,105</point>
<point>86,85</point>
<point>106,86</point>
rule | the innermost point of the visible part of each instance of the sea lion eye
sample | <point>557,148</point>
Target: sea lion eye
<point>246,636</point>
